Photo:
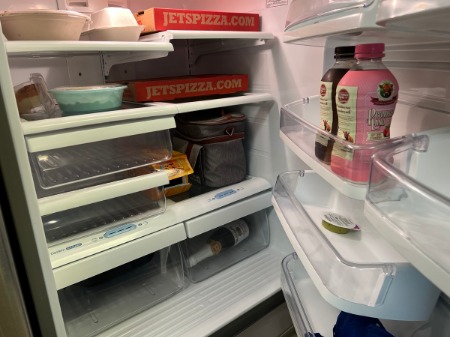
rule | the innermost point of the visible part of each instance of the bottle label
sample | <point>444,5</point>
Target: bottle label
<point>239,229</point>
<point>346,97</point>
<point>326,111</point>
<point>365,112</point>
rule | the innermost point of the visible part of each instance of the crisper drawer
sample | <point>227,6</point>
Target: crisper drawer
<point>209,253</point>
<point>408,202</point>
<point>84,222</point>
<point>226,236</point>
<point>311,314</point>
<point>70,159</point>
<point>358,272</point>
<point>102,301</point>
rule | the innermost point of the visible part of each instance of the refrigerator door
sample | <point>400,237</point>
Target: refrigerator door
<point>14,318</point>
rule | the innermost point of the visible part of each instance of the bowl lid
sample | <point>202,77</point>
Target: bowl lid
<point>43,12</point>
<point>88,88</point>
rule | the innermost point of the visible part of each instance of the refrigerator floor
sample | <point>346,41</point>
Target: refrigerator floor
<point>276,323</point>
<point>201,308</point>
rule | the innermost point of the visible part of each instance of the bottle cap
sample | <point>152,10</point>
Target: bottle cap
<point>369,50</point>
<point>344,51</point>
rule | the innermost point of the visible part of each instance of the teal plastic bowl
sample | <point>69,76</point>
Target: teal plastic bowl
<point>88,99</point>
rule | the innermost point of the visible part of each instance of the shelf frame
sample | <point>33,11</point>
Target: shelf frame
<point>213,41</point>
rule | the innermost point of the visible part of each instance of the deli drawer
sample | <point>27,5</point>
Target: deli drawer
<point>218,249</point>
<point>71,159</point>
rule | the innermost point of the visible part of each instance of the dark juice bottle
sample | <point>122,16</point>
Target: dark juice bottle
<point>344,59</point>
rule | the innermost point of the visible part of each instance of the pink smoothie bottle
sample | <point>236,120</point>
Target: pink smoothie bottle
<point>365,100</point>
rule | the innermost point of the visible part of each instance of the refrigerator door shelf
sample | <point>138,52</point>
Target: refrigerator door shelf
<point>300,126</point>
<point>358,272</point>
<point>408,202</point>
<point>415,16</point>
<point>313,19</point>
<point>309,311</point>
<point>312,314</point>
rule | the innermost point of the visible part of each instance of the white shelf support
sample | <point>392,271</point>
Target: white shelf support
<point>196,51</point>
<point>218,41</point>
<point>110,60</point>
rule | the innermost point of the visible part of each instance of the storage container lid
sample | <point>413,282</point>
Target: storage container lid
<point>49,12</point>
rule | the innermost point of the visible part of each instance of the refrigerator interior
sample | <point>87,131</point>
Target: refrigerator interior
<point>280,73</point>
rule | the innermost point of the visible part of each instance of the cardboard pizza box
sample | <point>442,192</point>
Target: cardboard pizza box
<point>160,19</point>
<point>167,89</point>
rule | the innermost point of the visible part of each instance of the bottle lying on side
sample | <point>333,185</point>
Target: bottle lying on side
<point>223,237</point>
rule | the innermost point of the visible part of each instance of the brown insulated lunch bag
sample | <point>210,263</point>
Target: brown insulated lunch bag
<point>213,142</point>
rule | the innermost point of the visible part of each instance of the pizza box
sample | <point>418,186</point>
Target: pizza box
<point>160,19</point>
<point>172,88</point>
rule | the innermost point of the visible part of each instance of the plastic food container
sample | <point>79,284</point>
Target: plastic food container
<point>130,33</point>
<point>112,17</point>
<point>42,24</point>
<point>87,99</point>
<point>33,100</point>
<point>113,24</point>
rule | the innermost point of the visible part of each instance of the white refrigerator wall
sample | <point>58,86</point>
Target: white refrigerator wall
<point>291,72</point>
<point>294,71</point>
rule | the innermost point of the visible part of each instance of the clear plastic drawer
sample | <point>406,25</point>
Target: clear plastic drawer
<point>205,257</point>
<point>358,272</point>
<point>408,201</point>
<point>102,301</point>
<point>63,169</point>
<point>103,216</point>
